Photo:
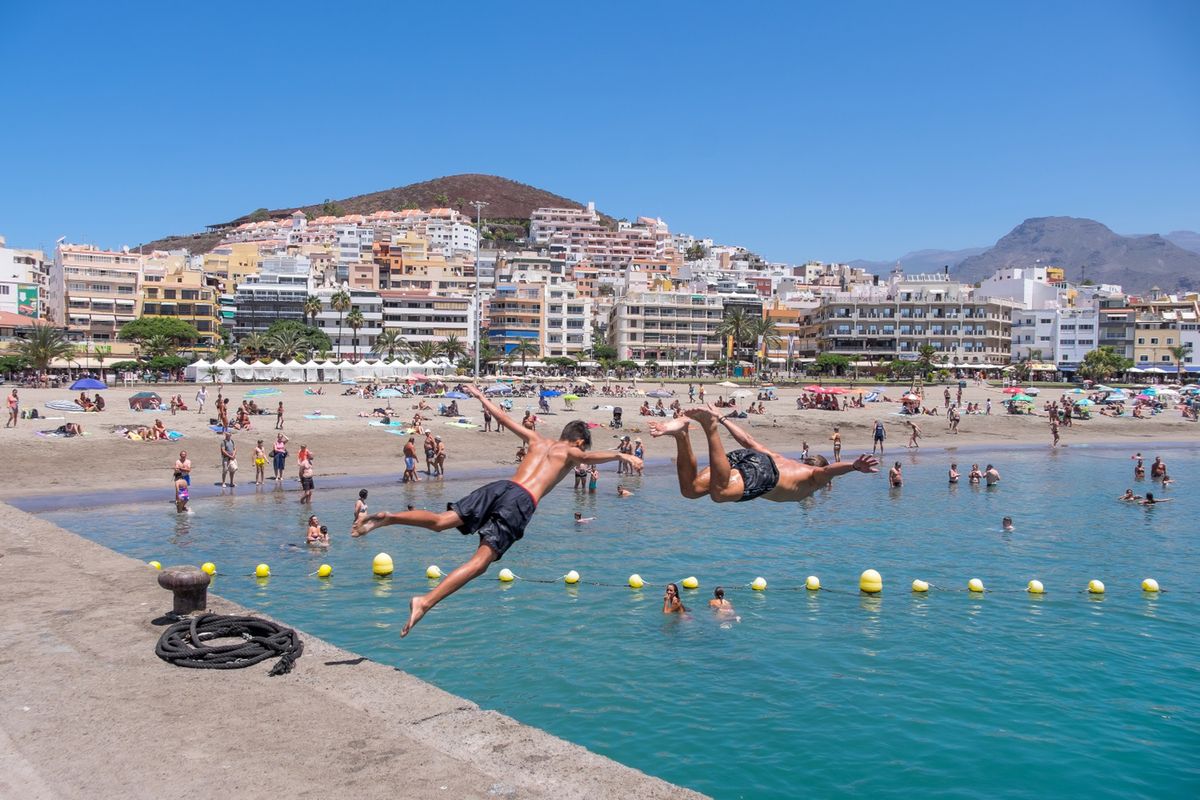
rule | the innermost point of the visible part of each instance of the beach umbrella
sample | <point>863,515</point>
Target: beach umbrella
<point>1012,390</point>
<point>143,400</point>
<point>551,393</point>
<point>88,383</point>
<point>498,388</point>
<point>910,396</point>
<point>728,384</point>
<point>1077,390</point>
<point>835,390</point>
<point>457,395</point>
<point>388,393</point>
<point>1102,388</point>
<point>1084,403</point>
<point>1022,398</point>
<point>420,376</point>
<point>813,388</point>
<point>663,393</point>
<point>1149,391</point>
<point>570,398</point>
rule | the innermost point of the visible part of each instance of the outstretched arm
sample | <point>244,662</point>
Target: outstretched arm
<point>821,476</point>
<point>581,456</point>
<point>501,417</point>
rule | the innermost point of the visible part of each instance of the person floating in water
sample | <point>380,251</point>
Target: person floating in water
<point>719,602</point>
<point>671,602</point>
<point>1006,524</point>
<point>499,511</point>
<point>580,519</point>
<point>750,472</point>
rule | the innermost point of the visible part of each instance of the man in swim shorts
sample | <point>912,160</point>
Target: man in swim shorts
<point>500,511</point>
<point>750,472</point>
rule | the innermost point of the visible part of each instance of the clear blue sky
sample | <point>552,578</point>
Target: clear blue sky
<point>801,130</point>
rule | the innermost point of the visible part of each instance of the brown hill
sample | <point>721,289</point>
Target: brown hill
<point>509,205</point>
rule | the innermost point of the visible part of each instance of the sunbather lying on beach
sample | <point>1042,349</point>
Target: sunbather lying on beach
<point>748,473</point>
<point>499,511</point>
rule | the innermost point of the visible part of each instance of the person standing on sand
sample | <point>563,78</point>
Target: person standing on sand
<point>306,478</point>
<point>14,409</point>
<point>260,464</point>
<point>914,435</point>
<point>201,396</point>
<point>430,450</point>
<point>837,444</point>
<point>946,395</point>
<point>747,473</point>
<point>880,435</point>
<point>228,459</point>
<point>499,511</point>
<point>439,457</point>
<point>183,465</point>
<point>279,416</point>
<point>487,422</point>
<point>1054,431</point>
<point>410,461</point>
<point>279,455</point>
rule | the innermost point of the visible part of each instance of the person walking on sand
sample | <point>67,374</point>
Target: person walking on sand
<point>750,472</point>
<point>14,409</point>
<point>1054,431</point>
<point>201,396</point>
<point>279,416</point>
<point>500,511</point>
<point>228,459</point>
<point>914,435</point>
<point>880,435</point>
<point>837,444</point>
<point>279,456</point>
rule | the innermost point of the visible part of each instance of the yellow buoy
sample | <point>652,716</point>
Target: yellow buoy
<point>154,564</point>
<point>382,564</point>
<point>690,582</point>
<point>1035,587</point>
<point>1095,587</point>
<point>1149,585</point>
<point>571,577</point>
<point>506,575</point>
<point>635,581</point>
<point>324,571</point>
<point>208,568</point>
<point>920,585</point>
<point>262,571</point>
<point>433,571</point>
<point>812,583</point>
<point>975,585</point>
<point>871,582</point>
<point>759,584</point>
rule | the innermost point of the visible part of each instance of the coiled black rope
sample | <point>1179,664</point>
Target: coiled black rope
<point>181,644</point>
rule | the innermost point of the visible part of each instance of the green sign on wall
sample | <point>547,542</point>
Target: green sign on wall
<point>27,300</point>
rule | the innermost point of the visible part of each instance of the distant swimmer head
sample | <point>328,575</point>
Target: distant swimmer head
<point>1007,523</point>
<point>576,432</point>
<point>719,593</point>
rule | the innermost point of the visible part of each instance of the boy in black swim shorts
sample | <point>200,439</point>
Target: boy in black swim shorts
<point>499,511</point>
<point>750,472</point>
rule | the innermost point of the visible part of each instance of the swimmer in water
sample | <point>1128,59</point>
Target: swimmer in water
<point>974,476</point>
<point>1006,523</point>
<point>623,492</point>
<point>954,473</point>
<point>499,511</point>
<point>580,519</point>
<point>671,602</point>
<point>360,505</point>
<point>896,475</point>
<point>719,602</point>
<point>750,472</point>
<point>1129,495</point>
<point>1150,501</point>
<point>313,536</point>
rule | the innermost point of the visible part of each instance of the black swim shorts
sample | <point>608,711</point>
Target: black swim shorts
<point>498,512</point>
<point>306,484</point>
<point>758,470</point>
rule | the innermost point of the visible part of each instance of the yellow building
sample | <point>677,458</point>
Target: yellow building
<point>92,293</point>
<point>231,263</point>
<point>1055,275</point>
<point>171,288</point>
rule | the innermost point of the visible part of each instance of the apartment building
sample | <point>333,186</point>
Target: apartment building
<point>1118,323</point>
<point>568,321</point>
<point>232,263</point>
<point>421,317</point>
<point>579,234</point>
<point>347,342</point>
<point>517,313</point>
<point>674,328</point>
<point>277,292</point>
<point>93,292</point>
<point>797,330</point>
<point>1153,339</point>
<point>24,276</point>
<point>893,322</point>
<point>172,287</point>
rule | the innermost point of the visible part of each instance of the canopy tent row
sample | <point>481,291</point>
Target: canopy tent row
<point>294,371</point>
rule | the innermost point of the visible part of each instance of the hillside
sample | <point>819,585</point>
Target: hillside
<point>919,261</point>
<point>509,205</point>
<point>1087,249</point>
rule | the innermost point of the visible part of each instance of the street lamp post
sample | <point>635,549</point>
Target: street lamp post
<point>479,204</point>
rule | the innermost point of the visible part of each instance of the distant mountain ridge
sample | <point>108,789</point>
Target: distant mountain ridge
<point>1084,248</point>
<point>507,201</point>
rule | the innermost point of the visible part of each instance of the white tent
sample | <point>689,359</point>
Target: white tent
<point>294,371</point>
<point>261,371</point>
<point>223,369</point>
<point>198,372</point>
<point>241,370</point>
<point>278,369</point>
<point>312,371</point>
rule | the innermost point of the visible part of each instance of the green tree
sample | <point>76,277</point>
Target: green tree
<point>287,344</point>
<point>259,215</point>
<point>312,307</point>
<point>452,348</point>
<point>524,349</point>
<point>356,321</point>
<point>767,331</point>
<point>736,324</point>
<point>1103,363</point>
<point>317,337</point>
<point>390,342</point>
<point>832,363</point>
<point>332,209</point>
<point>925,356</point>
<point>158,345</point>
<point>341,303</point>
<point>603,352</point>
<point>695,252</point>
<point>42,345</point>
<point>102,352</point>
<point>425,352</point>
<point>141,330</point>
<point>442,199</point>
<point>10,364</point>
<point>252,345</point>
<point>1179,353</point>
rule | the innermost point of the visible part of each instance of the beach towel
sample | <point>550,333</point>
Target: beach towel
<point>174,436</point>
<point>871,397</point>
<point>457,424</point>
<point>58,434</point>
<point>217,429</point>
<point>398,432</point>
<point>64,405</point>
<point>319,416</point>
<point>393,424</point>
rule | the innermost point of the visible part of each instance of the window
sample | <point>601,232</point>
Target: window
<point>1154,340</point>
<point>1143,358</point>
<point>5,288</point>
<point>1141,340</point>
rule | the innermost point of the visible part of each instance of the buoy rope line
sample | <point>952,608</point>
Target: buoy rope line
<point>182,643</point>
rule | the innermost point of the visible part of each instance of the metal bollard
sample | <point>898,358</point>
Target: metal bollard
<point>190,586</point>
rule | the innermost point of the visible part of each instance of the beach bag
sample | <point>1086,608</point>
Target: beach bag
<point>233,464</point>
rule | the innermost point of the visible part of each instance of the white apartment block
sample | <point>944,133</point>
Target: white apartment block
<point>421,317</point>
<point>93,292</point>
<point>579,235</point>
<point>568,325</point>
<point>277,292</point>
<point>347,342</point>
<point>670,327</point>
<point>24,276</point>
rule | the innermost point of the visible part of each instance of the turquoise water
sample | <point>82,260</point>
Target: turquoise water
<point>825,694</point>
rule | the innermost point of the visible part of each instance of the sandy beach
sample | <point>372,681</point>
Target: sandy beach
<point>349,446</point>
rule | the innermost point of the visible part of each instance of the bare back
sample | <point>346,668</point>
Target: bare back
<point>546,464</point>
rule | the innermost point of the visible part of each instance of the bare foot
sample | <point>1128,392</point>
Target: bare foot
<point>669,427</point>
<point>365,524</point>
<point>416,610</point>
<point>703,414</point>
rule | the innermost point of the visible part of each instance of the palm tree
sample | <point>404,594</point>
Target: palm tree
<point>356,321</point>
<point>925,354</point>
<point>452,348</point>
<point>286,344</point>
<point>42,345</point>
<point>341,303</point>
<point>425,351</point>
<point>736,324</point>
<point>102,352</point>
<point>766,330</point>
<point>390,342</point>
<point>524,348</point>
<point>487,353</point>
<point>252,344</point>
<point>312,307</point>
<point>1179,353</point>
<point>159,345</point>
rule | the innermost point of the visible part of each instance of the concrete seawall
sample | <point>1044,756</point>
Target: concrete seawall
<point>87,710</point>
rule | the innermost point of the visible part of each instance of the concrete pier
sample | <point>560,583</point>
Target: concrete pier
<point>87,710</point>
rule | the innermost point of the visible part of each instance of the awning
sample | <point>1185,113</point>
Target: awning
<point>103,318</point>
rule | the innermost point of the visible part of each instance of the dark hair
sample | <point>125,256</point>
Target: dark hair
<point>719,593</point>
<point>897,466</point>
<point>325,529</point>
<point>816,461</point>
<point>1150,497</point>
<point>178,475</point>
<point>576,429</point>
<point>362,494</point>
